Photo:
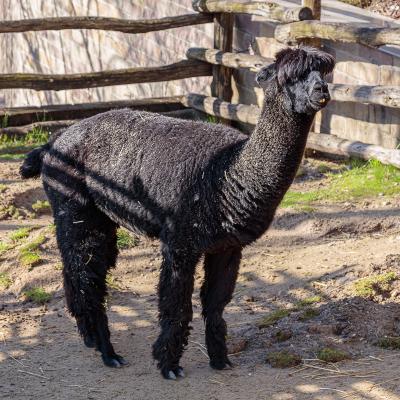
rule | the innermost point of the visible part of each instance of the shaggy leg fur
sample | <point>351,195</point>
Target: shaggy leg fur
<point>221,272</point>
<point>87,241</point>
<point>175,309</point>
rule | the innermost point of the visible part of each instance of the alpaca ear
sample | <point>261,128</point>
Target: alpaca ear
<point>266,74</point>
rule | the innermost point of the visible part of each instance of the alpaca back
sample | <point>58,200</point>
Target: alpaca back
<point>137,166</point>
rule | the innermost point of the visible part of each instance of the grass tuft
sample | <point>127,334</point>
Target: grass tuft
<point>283,359</point>
<point>4,247</point>
<point>308,313</point>
<point>272,318</point>
<point>5,280</point>
<point>283,335</point>
<point>3,187</point>
<point>331,355</point>
<point>125,240</point>
<point>38,295</point>
<point>41,206</point>
<point>309,301</point>
<point>372,285</point>
<point>33,245</point>
<point>389,342</point>
<point>29,259</point>
<point>112,282</point>
<point>19,234</point>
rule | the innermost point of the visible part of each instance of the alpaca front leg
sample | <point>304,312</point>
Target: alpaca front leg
<point>175,311</point>
<point>221,270</point>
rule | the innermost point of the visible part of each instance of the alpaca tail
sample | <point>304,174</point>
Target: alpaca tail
<point>32,165</point>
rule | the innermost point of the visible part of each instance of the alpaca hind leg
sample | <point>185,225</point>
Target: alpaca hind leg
<point>221,271</point>
<point>175,310</point>
<point>87,241</point>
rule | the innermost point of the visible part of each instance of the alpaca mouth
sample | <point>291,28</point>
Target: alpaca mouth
<point>320,103</point>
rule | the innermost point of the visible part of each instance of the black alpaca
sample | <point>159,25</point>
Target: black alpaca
<point>202,189</point>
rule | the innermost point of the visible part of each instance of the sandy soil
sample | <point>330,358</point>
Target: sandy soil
<point>304,254</point>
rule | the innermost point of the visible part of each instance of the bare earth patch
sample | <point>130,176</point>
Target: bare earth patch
<point>308,265</point>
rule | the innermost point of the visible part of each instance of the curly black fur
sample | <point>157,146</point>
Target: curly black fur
<point>202,189</point>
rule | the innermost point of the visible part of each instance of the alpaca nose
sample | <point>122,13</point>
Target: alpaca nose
<point>321,87</point>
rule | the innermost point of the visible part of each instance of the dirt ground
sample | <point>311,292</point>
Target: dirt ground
<point>317,253</point>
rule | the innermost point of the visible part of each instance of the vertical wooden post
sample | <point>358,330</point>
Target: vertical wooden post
<point>315,6</point>
<point>221,85</point>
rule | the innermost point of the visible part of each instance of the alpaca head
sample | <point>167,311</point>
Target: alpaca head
<point>298,77</point>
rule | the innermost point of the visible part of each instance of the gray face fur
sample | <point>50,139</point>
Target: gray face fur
<point>298,75</point>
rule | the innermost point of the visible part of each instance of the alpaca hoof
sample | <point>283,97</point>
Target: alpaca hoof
<point>179,372</point>
<point>114,361</point>
<point>220,363</point>
<point>173,374</point>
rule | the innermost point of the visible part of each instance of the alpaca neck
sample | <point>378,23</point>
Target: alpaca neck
<point>275,149</point>
<point>264,168</point>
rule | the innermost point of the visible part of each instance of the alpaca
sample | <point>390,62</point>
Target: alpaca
<point>202,189</point>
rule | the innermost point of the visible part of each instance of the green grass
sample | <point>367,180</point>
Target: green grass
<point>125,240</point>
<point>212,119</point>
<point>4,247</point>
<point>371,285</point>
<point>41,206</point>
<point>34,244</point>
<point>30,259</point>
<point>20,234</point>
<point>5,280</point>
<point>112,282</point>
<point>272,318</point>
<point>29,254</point>
<point>3,187</point>
<point>389,342</point>
<point>38,295</point>
<point>308,313</point>
<point>309,301</point>
<point>15,147</point>
<point>283,359</point>
<point>331,355</point>
<point>361,180</point>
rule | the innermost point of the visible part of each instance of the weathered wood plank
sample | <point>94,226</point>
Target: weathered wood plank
<point>103,23</point>
<point>265,9</point>
<point>356,33</point>
<point>383,95</point>
<point>18,116</point>
<point>316,141</point>
<point>180,70</point>
<point>231,60</point>
<point>213,106</point>
<point>334,145</point>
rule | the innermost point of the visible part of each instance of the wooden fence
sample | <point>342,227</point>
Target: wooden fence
<point>298,24</point>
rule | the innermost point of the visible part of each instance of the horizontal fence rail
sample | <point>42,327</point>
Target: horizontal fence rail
<point>103,23</point>
<point>18,116</point>
<point>180,70</point>
<point>232,60</point>
<point>316,141</point>
<point>343,32</point>
<point>265,9</point>
<point>388,96</point>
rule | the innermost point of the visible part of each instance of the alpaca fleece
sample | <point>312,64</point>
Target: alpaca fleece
<point>202,189</point>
